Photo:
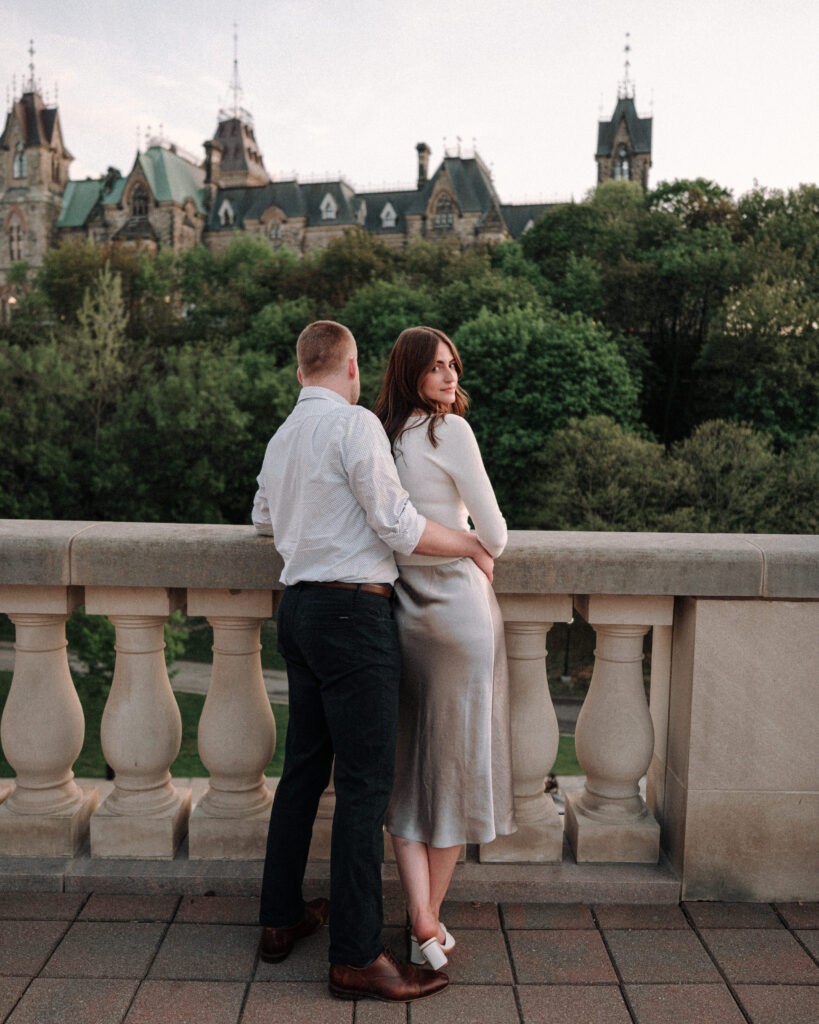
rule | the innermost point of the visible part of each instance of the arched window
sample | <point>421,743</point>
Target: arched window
<point>139,202</point>
<point>20,161</point>
<point>444,214</point>
<point>226,214</point>
<point>15,234</point>
<point>329,207</point>
<point>276,231</point>
<point>622,165</point>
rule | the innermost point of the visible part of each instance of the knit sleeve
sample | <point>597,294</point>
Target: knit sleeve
<point>458,453</point>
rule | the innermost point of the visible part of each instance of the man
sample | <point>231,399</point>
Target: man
<point>330,495</point>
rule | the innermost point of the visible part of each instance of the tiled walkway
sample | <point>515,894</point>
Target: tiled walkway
<point>165,959</point>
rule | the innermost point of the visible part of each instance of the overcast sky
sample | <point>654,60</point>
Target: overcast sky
<point>350,87</point>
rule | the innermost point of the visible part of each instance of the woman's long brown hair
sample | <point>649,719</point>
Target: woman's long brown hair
<point>411,359</point>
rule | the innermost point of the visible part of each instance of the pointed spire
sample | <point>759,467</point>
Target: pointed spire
<point>236,85</point>
<point>626,90</point>
<point>31,83</point>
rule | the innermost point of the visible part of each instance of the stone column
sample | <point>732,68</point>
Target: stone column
<point>145,816</point>
<point>237,731</point>
<point>46,813</point>
<point>539,838</point>
<point>614,737</point>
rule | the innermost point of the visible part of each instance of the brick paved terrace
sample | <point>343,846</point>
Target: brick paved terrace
<point>70,958</point>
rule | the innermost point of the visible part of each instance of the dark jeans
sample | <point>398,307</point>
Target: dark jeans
<point>343,667</point>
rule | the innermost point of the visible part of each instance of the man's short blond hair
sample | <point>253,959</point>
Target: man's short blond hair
<point>322,348</point>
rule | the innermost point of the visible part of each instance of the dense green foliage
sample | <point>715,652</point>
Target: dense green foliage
<point>639,361</point>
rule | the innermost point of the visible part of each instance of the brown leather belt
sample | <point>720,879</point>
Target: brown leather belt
<point>382,589</point>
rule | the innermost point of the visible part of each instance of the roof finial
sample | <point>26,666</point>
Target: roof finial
<point>31,84</point>
<point>627,86</point>
<point>235,85</point>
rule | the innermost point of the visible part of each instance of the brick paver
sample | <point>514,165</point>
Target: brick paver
<point>759,956</point>
<point>799,915</point>
<point>74,1001</point>
<point>110,907</point>
<point>683,1004</point>
<point>168,959</point>
<point>560,958</point>
<point>26,945</point>
<point>639,915</point>
<point>105,950</point>
<point>733,915</point>
<point>10,991</point>
<point>571,1004</point>
<point>187,1002</point>
<point>207,952</point>
<point>780,1004</point>
<point>546,915</point>
<point>661,957</point>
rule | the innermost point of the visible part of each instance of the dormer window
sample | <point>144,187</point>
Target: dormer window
<point>622,165</point>
<point>139,201</point>
<point>388,216</point>
<point>529,224</point>
<point>361,216</point>
<point>20,161</point>
<point>226,214</point>
<point>444,214</point>
<point>329,207</point>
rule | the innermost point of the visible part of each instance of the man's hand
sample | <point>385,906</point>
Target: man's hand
<point>484,561</point>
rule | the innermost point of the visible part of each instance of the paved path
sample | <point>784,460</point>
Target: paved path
<point>162,959</point>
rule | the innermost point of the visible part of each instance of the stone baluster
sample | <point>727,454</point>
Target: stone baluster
<point>659,707</point>
<point>46,814</point>
<point>614,736</point>
<point>237,731</point>
<point>145,816</point>
<point>539,838</point>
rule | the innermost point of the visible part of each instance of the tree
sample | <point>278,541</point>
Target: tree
<point>594,475</point>
<point>527,374</point>
<point>96,346</point>
<point>730,479</point>
<point>760,363</point>
<point>276,327</point>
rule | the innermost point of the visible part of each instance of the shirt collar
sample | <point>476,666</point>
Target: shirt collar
<point>314,391</point>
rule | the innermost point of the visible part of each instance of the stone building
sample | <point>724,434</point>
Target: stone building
<point>172,199</point>
<point>34,163</point>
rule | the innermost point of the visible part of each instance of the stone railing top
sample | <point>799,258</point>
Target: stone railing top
<point>60,552</point>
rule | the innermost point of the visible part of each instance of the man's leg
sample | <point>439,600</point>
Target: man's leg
<point>307,763</point>
<point>356,655</point>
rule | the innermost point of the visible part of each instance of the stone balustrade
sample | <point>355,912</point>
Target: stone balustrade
<point>727,742</point>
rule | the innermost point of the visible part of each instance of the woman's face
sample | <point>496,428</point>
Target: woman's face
<point>438,384</point>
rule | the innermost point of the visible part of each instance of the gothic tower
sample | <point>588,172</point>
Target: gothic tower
<point>624,142</point>
<point>232,156</point>
<point>34,166</point>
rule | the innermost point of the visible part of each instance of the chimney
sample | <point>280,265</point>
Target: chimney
<point>423,163</point>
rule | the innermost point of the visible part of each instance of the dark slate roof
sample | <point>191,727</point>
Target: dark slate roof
<point>471,181</point>
<point>240,151</point>
<point>376,201</point>
<point>37,122</point>
<point>639,128</point>
<point>518,216</point>
<point>342,193</point>
<point>249,203</point>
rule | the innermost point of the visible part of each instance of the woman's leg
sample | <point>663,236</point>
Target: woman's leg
<point>425,873</point>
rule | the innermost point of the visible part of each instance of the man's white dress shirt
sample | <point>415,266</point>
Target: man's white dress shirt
<point>330,495</point>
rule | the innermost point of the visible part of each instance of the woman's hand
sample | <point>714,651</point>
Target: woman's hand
<point>484,561</point>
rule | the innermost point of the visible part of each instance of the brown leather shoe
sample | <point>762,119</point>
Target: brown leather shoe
<point>277,943</point>
<point>386,979</point>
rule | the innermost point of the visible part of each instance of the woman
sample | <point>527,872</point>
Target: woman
<point>453,780</point>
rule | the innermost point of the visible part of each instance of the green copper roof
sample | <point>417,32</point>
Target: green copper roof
<point>78,202</point>
<point>171,178</point>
